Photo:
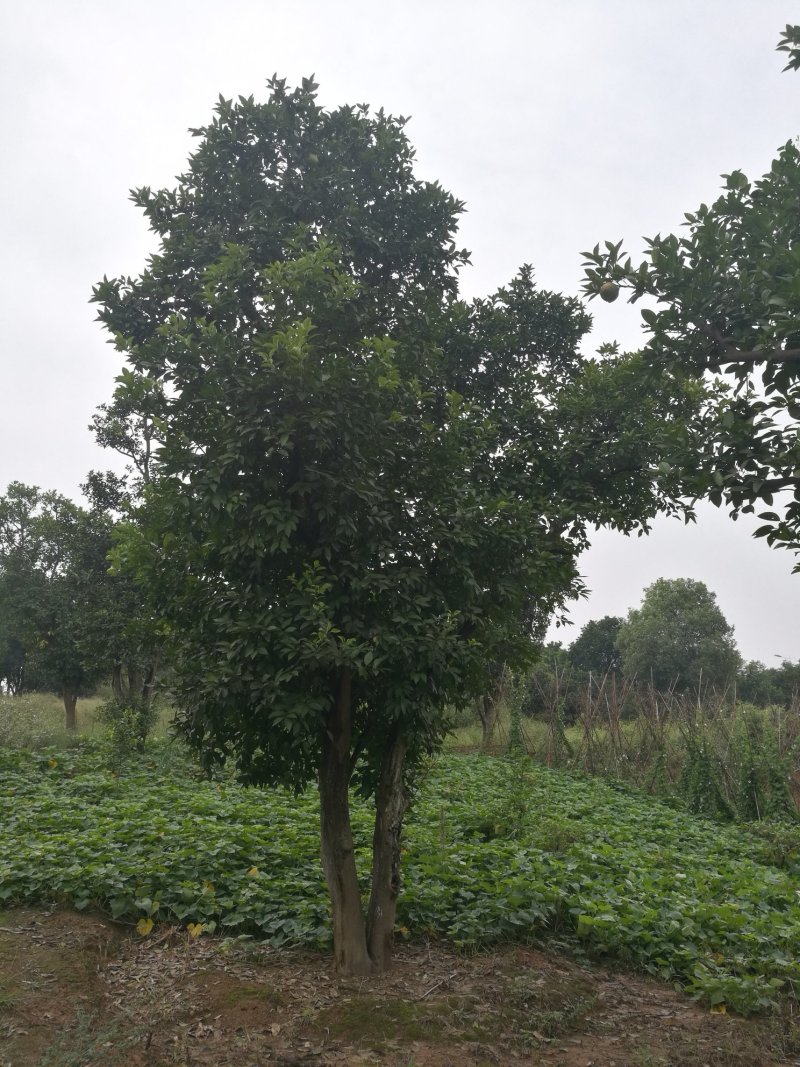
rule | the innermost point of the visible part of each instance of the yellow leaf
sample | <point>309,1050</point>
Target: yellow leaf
<point>144,926</point>
<point>52,763</point>
<point>195,929</point>
<point>719,1009</point>
<point>253,872</point>
<point>208,887</point>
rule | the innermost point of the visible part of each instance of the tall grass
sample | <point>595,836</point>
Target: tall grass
<point>37,720</point>
<point>722,758</point>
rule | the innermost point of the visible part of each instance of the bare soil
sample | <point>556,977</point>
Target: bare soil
<point>77,990</point>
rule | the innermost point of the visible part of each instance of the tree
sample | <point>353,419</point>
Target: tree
<point>678,638</point>
<point>595,649</point>
<point>727,296</point>
<point>363,480</point>
<point>129,426</point>
<point>55,628</point>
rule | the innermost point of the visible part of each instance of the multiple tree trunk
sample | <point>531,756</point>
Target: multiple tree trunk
<point>362,945</point>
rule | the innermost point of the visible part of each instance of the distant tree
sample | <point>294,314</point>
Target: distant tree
<point>595,649</point>
<point>362,478</point>
<point>786,684</point>
<point>55,630</point>
<point>727,302</point>
<point>678,638</point>
<point>754,684</point>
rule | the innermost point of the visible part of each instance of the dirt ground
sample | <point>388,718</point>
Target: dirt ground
<point>77,990</point>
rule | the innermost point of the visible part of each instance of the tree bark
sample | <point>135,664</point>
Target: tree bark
<point>116,682</point>
<point>336,836</point>
<point>391,801</point>
<point>70,702</point>
<point>149,682</point>
<point>488,710</point>
<point>135,681</point>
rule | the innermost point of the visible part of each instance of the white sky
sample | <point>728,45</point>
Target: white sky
<point>560,123</point>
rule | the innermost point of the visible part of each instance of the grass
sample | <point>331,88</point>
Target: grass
<point>37,721</point>
<point>495,850</point>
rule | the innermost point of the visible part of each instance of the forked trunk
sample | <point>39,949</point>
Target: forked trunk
<point>70,704</point>
<point>336,837</point>
<point>391,802</point>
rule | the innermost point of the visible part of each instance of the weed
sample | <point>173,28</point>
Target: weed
<point>88,1045</point>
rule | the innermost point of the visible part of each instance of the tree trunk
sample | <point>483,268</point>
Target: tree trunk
<point>391,802</point>
<point>336,837</point>
<point>116,682</point>
<point>135,681</point>
<point>149,683</point>
<point>70,702</point>
<point>488,710</point>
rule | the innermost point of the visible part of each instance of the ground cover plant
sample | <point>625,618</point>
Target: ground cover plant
<point>496,850</point>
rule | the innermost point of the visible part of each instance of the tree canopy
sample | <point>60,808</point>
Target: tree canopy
<point>595,649</point>
<point>364,481</point>
<point>678,639</point>
<point>723,299</point>
<point>56,607</point>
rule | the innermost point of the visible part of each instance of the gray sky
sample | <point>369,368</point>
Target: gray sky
<point>560,124</point>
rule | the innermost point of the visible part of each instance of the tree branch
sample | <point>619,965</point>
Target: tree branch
<point>734,354</point>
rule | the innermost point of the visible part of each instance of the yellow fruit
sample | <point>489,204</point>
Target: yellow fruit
<point>609,291</point>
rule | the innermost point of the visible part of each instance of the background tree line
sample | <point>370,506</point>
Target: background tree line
<point>677,642</point>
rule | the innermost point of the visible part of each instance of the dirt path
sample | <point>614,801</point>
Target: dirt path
<point>79,991</point>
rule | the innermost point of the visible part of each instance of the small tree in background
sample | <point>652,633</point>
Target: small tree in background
<point>53,573</point>
<point>678,639</point>
<point>595,648</point>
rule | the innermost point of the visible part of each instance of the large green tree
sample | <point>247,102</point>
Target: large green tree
<point>363,480</point>
<point>723,299</point>
<point>678,639</point>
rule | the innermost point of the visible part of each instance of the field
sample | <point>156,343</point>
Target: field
<point>519,883</point>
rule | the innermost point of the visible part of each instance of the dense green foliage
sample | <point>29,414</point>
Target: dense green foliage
<point>359,473</point>
<point>595,648</point>
<point>723,297</point>
<point>678,638</point>
<point>762,685</point>
<point>56,599</point>
<point>495,850</point>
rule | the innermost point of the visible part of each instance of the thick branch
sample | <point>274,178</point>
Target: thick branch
<point>768,484</point>
<point>734,354</point>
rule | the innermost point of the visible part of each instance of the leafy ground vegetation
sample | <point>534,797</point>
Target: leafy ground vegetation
<point>496,851</point>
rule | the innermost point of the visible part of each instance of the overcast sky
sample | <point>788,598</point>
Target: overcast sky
<point>559,123</point>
